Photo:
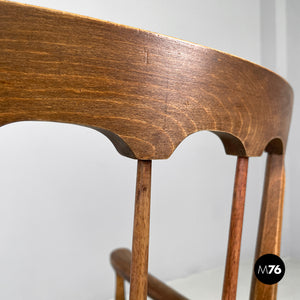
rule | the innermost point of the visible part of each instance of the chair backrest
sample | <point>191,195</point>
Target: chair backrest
<point>146,92</point>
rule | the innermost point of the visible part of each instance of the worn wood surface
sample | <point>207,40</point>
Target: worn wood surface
<point>140,240</point>
<point>269,232</point>
<point>145,91</point>
<point>235,230</point>
<point>157,290</point>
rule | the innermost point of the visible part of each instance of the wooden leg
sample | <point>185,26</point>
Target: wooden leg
<point>140,242</point>
<point>120,289</point>
<point>269,231</point>
<point>235,231</point>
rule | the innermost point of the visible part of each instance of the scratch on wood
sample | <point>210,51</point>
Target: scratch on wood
<point>146,55</point>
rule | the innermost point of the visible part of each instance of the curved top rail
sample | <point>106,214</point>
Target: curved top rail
<point>145,91</point>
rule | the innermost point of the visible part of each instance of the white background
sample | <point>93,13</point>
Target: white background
<point>67,195</point>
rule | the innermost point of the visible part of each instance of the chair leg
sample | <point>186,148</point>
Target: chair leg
<point>140,242</point>
<point>269,231</point>
<point>235,231</point>
<point>120,289</point>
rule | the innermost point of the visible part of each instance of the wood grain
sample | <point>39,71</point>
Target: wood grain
<point>157,290</point>
<point>235,231</point>
<point>146,92</point>
<point>140,240</point>
<point>120,289</point>
<point>269,231</point>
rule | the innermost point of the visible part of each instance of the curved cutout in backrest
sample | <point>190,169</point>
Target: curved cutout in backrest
<point>145,91</point>
<point>119,144</point>
<point>231,144</point>
<point>275,146</point>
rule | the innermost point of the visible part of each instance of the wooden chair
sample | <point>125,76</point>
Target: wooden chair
<point>147,92</point>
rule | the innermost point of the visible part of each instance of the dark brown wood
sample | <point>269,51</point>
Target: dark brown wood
<point>157,290</point>
<point>269,231</point>
<point>120,260</point>
<point>120,289</point>
<point>235,231</point>
<point>146,92</point>
<point>140,240</point>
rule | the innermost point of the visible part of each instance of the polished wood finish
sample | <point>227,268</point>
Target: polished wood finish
<point>269,231</point>
<point>235,231</point>
<point>140,241</point>
<point>157,290</point>
<point>120,289</point>
<point>146,92</point>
